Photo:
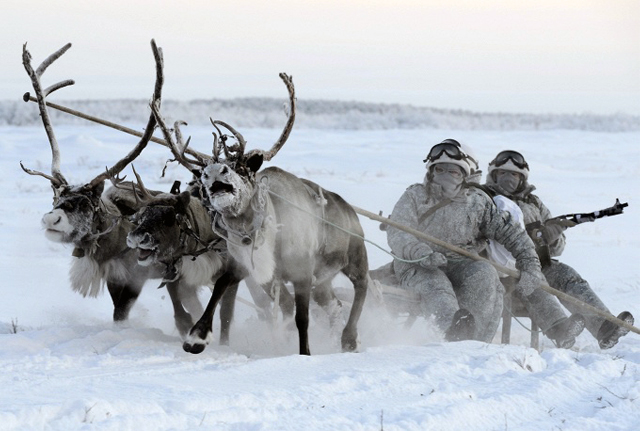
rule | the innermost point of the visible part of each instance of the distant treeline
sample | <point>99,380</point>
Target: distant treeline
<point>316,114</point>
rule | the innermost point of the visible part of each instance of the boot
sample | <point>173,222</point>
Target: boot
<point>564,332</point>
<point>609,333</point>
<point>463,326</point>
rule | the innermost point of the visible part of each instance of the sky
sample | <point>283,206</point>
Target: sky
<point>543,56</point>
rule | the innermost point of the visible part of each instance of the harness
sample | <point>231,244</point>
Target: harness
<point>186,225</point>
<point>249,235</point>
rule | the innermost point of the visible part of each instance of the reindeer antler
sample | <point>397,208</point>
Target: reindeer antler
<point>151,124</point>
<point>145,195</point>
<point>177,146</point>
<point>288,81</point>
<point>56,177</point>
<point>239,148</point>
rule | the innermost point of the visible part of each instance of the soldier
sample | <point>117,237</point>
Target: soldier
<point>463,295</point>
<point>508,176</point>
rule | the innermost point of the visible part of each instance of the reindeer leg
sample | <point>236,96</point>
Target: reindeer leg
<point>183,319</point>
<point>261,297</point>
<point>123,297</point>
<point>350,333</point>
<point>200,334</point>
<point>286,301</point>
<point>357,271</point>
<point>227,307</point>
<point>326,298</point>
<point>302,296</point>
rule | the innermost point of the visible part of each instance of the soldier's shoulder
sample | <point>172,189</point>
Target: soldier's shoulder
<point>416,187</point>
<point>479,192</point>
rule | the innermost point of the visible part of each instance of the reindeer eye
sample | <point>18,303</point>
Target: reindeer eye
<point>66,206</point>
<point>224,170</point>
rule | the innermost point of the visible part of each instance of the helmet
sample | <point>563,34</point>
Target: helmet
<point>510,160</point>
<point>452,151</point>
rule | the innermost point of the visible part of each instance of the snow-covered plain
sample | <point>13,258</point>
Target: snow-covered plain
<point>64,365</point>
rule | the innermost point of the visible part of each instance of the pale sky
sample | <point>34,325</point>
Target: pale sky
<point>542,56</point>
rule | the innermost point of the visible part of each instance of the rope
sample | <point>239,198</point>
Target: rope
<point>575,301</point>
<point>463,252</point>
<point>347,230</point>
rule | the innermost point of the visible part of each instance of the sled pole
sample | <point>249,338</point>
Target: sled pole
<point>503,269</point>
<point>28,98</point>
<point>416,233</point>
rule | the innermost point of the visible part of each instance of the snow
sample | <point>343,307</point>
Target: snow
<point>66,366</point>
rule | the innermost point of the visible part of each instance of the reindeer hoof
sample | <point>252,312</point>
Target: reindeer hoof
<point>350,344</point>
<point>193,348</point>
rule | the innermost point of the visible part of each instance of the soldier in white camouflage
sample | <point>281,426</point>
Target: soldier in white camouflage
<point>463,295</point>
<point>508,175</point>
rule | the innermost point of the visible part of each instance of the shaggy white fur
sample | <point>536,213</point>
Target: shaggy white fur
<point>199,272</point>
<point>88,277</point>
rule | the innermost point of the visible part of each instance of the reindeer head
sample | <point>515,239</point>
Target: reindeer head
<point>158,234</point>
<point>77,209</point>
<point>230,187</point>
<point>227,179</point>
<point>74,213</point>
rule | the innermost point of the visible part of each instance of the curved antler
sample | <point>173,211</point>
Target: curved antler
<point>242,143</point>
<point>151,124</point>
<point>177,148</point>
<point>288,81</point>
<point>56,177</point>
<point>238,149</point>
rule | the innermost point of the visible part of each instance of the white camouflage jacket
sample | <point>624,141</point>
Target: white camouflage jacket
<point>468,222</point>
<point>533,210</point>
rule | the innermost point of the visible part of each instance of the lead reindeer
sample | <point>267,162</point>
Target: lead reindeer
<point>278,227</point>
<point>94,222</point>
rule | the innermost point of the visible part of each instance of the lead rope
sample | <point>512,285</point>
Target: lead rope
<point>380,247</point>
<point>346,230</point>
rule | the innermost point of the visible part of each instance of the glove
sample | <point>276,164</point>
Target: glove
<point>433,260</point>
<point>552,230</point>
<point>529,281</point>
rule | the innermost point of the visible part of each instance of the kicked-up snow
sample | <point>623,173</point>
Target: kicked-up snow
<point>66,366</point>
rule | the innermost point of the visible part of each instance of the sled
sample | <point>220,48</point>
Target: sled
<point>402,303</point>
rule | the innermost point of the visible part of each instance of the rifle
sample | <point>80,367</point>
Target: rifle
<point>537,232</point>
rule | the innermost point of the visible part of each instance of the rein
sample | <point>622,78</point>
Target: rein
<point>172,268</point>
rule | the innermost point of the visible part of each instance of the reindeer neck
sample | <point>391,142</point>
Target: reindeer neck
<point>195,230</point>
<point>251,221</point>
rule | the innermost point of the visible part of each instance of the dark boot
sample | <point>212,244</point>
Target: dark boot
<point>565,331</point>
<point>609,333</point>
<point>463,326</point>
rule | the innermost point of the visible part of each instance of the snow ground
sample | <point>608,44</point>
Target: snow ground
<point>65,365</point>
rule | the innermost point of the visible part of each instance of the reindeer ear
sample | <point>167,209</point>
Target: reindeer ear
<point>254,162</point>
<point>184,199</point>
<point>96,191</point>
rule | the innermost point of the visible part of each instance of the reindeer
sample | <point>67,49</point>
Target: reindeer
<point>277,227</point>
<point>93,221</point>
<point>173,230</point>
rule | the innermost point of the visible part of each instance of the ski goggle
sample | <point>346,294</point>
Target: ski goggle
<point>451,148</point>
<point>504,156</point>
